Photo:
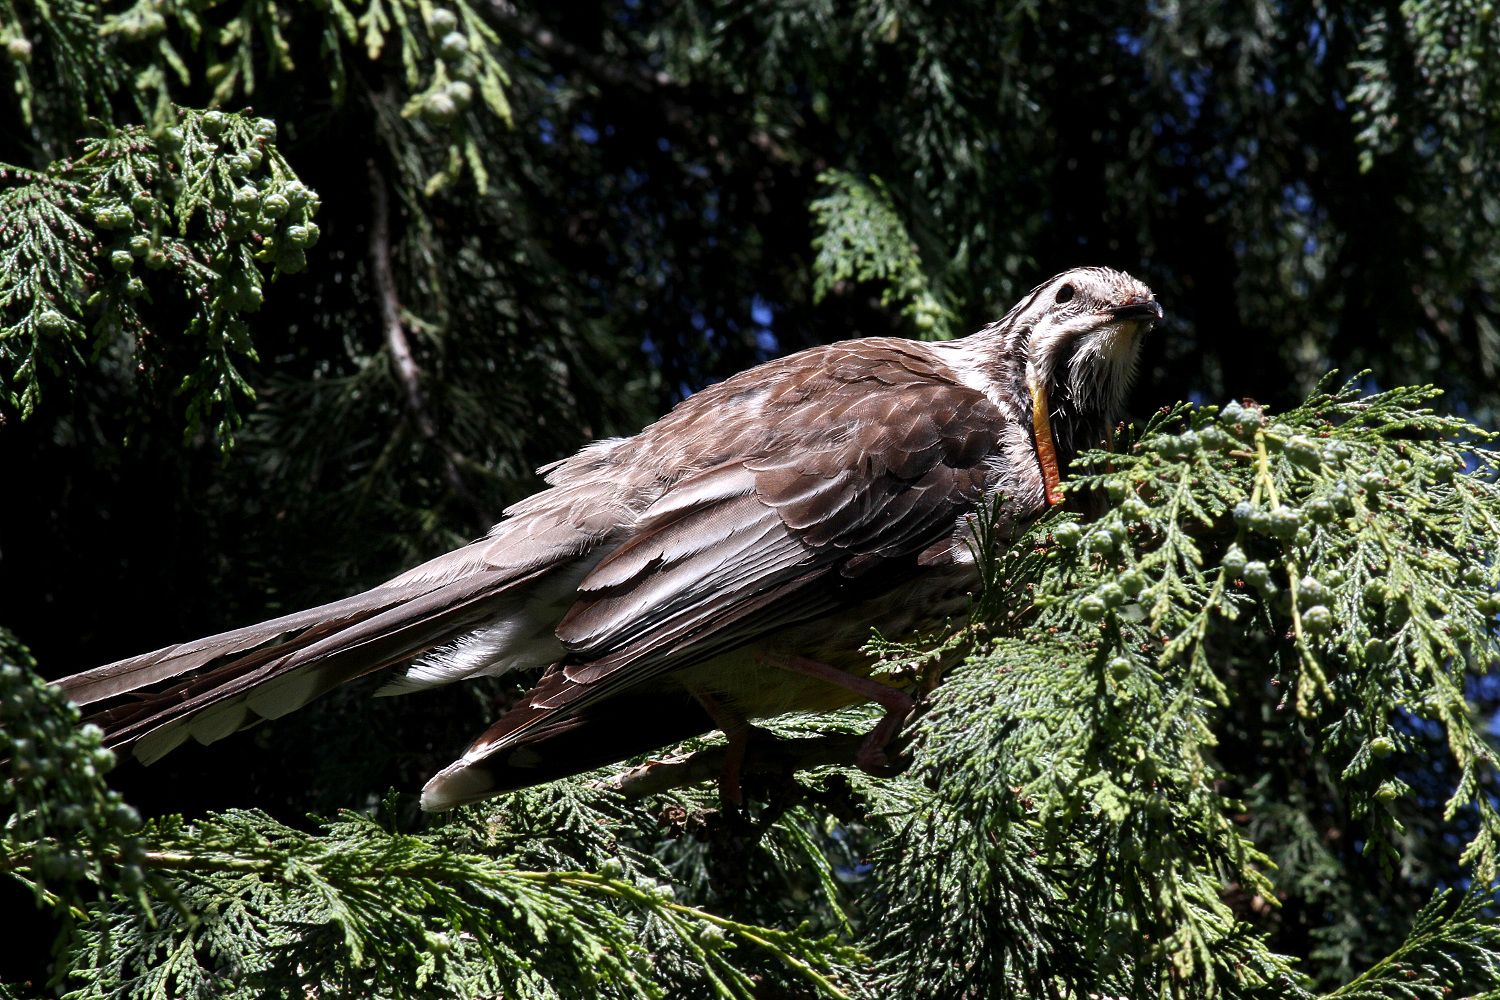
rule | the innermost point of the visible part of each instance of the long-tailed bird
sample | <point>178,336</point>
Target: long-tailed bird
<point>726,563</point>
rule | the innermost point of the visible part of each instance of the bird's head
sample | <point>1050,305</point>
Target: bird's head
<point>1071,348</point>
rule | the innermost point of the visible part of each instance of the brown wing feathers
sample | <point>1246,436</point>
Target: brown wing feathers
<point>173,661</point>
<point>309,664</point>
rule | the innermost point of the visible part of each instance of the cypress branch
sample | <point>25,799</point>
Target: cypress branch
<point>1230,705</point>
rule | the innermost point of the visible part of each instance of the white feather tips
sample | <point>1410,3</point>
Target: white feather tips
<point>488,653</point>
<point>455,785</point>
<point>155,745</point>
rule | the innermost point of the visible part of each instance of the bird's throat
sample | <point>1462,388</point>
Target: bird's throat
<point>1046,449</point>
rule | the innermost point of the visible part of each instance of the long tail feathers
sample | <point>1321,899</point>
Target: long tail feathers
<point>212,687</point>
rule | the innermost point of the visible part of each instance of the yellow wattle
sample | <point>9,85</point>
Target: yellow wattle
<point>1046,450</point>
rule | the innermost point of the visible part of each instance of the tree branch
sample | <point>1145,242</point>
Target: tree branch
<point>408,373</point>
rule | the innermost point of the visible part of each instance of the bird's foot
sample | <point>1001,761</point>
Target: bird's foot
<point>871,757</point>
<point>732,777</point>
<point>877,762</point>
<point>738,733</point>
<point>879,765</point>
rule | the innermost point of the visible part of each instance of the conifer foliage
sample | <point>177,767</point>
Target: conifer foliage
<point>1275,617</point>
<point>1227,713</point>
<point>209,203</point>
<point>293,294</point>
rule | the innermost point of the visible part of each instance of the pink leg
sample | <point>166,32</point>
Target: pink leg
<point>737,731</point>
<point>898,705</point>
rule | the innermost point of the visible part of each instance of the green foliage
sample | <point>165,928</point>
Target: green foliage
<point>65,830</point>
<point>1454,85</point>
<point>506,371</point>
<point>89,244</point>
<point>864,239</point>
<point>1110,774</point>
<point>152,51</point>
<point>1425,84</point>
<point>1454,944</point>
<point>358,910</point>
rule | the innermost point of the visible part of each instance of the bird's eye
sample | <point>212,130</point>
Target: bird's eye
<point>1064,294</point>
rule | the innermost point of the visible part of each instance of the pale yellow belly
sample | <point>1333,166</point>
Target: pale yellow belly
<point>749,682</point>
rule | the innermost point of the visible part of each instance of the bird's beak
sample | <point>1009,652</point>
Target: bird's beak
<point>1046,449</point>
<point>1148,310</point>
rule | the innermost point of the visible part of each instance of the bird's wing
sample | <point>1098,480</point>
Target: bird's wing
<point>860,468</point>
<point>852,467</point>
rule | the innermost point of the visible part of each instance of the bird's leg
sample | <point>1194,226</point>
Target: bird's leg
<point>737,730</point>
<point>898,704</point>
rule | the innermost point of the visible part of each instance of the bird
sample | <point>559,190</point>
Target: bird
<point>727,563</point>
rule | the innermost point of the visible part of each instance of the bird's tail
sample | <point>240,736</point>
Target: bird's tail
<point>215,686</point>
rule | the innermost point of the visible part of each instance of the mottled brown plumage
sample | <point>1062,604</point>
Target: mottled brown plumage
<point>666,581</point>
